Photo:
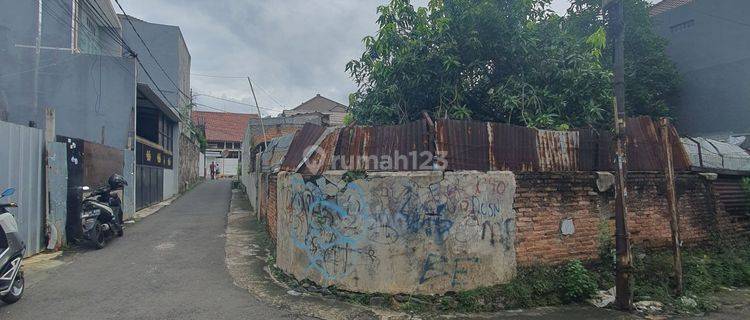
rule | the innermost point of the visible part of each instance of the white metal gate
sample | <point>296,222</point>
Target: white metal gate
<point>21,168</point>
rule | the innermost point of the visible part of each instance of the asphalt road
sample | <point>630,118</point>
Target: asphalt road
<point>170,265</point>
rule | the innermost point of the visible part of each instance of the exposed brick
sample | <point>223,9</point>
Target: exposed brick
<point>544,200</point>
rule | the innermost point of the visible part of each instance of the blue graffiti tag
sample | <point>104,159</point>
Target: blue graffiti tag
<point>322,232</point>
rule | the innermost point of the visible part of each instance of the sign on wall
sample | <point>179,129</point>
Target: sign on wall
<point>150,156</point>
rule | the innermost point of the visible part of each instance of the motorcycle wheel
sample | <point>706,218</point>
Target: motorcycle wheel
<point>16,292</point>
<point>98,237</point>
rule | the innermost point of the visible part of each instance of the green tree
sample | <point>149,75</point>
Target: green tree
<point>512,61</point>
<point>651,78</point>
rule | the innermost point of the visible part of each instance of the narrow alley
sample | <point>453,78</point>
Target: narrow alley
<point>168,266</point>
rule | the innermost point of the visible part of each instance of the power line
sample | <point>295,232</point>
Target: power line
<point>241,78</point>
<point>94,37</point>
<point>151,53</point>
<point>217,76</point>
<point>237,102</point>
<point>109,30</point>
<point>724,18</point>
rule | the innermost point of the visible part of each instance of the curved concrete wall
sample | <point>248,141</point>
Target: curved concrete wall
<point>406,232</point>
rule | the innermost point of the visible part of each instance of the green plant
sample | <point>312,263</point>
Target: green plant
<point>348,119</point>
<point>350,176</point>
<point>506,60</point>
<point>532,287</point>
<point>576,283</point>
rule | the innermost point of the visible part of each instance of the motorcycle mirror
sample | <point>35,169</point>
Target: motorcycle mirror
<point>8,192</point>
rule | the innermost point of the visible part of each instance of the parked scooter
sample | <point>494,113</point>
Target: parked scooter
<point>100,216</point>
<point>11,252</point>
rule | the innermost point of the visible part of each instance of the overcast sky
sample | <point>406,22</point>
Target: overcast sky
<point>292,49</point>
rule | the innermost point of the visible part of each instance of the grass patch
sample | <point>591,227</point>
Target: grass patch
<point>705,270</point>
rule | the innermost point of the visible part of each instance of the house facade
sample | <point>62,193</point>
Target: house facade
<point>224,132</point>
<point>79,71</point>
<point>163,107</point>
<point>335,111</point>
<point>709,44</point>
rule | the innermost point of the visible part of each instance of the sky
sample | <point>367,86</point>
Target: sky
<point>291,49</point>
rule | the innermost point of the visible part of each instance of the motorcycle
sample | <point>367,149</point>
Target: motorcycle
<point>12,249</point>
<point>100,215</point>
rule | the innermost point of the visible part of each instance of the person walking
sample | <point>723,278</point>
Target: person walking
<point>213,170</point>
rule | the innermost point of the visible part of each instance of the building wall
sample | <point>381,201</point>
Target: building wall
<point>425,232</point>
<point>710,48</point>
<point>168,46</point>
<point>545,202</point>
<point>92,94</point>
<point>415,232</point>
<point>189,161</point>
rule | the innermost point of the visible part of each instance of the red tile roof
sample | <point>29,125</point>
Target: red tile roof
<point>223,126</point>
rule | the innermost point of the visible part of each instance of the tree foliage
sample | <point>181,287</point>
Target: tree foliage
<point>512,61</point>
<point>651,78</point>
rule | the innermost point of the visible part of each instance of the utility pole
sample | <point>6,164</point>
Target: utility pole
<point>672,203</point>
<point>613,9</point>
<point>260,116</point>
<point>37,57</point>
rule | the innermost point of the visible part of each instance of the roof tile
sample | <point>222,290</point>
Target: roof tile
<point>223,126</point>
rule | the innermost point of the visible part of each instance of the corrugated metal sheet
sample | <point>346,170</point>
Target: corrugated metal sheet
<point>483,146</point>
<point>513,148</point>
<point>681,160</point>
<point>595,150</point>
<point>464,144</point>
<point>712,154</point>
<point>357,146</point>
<point>303,139</point>
<point>558,150</point>
<point>732,195</point>
<point>21,168</point>
<point>350,148</point>
<point>320,161</point>
<point>272,158</point>
<point>644,149</point>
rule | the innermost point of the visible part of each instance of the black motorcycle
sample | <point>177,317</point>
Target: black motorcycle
<point>99,217</point>
<point>11,253</point>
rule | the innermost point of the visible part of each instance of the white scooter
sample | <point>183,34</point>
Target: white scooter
<point>11,253</point>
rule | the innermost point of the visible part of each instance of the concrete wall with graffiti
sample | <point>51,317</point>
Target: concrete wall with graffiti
<point>404,232</point>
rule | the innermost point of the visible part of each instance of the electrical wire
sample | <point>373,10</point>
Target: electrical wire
<point>187,96</point>
<point>61,19</point>
<point>216,76</point>
<point>235,101</point>
<point>243,78</point>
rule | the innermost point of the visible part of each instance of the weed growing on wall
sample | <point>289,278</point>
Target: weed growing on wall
<point>350,176</point>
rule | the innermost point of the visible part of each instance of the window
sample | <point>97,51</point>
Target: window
<point>165,132</point>
<point>233,155</point>
<point>680,27</point>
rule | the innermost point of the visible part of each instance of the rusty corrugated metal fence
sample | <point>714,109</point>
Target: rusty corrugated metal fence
<point>475,145</point>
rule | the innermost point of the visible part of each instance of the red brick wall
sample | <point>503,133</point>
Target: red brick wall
<point>544,200</point>
<point>271,211</point>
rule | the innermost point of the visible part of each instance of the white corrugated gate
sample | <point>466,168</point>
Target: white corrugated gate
<point>21,168</point>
